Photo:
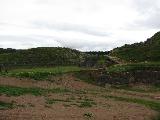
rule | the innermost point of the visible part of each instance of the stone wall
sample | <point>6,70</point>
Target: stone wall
<point>147,77</point>
<point>101,78</point>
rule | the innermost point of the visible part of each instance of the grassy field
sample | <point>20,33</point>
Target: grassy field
<point>41,73</point>
<point>17,91</point>
<point>133,67</point>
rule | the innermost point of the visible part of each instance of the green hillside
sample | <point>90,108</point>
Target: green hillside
<point>139,52</point>
<point>52,56</point>
<point>42,56</point>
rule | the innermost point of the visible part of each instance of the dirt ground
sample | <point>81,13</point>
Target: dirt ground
<point>67,106</point>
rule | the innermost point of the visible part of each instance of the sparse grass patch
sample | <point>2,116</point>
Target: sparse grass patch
<point>143,89</point>
<point>5,105</point>
<point>148,103</point>
<point>86,103</point>
<point>17,91</point>
<point>80,92</point>
<point>52,101</point>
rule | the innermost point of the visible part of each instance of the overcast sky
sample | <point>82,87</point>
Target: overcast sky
<point>80,24</point>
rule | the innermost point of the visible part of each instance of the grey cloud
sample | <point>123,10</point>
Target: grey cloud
<point>72,27</point>
<point>152,22</point>
<point>145,6</point>
<point>85,45</point>
<point>149,15</point>
<point>51,41</point>
<point>25,42</point>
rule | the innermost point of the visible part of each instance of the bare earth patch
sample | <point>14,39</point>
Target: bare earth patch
<point>67,81</point>
<point>65,106</point>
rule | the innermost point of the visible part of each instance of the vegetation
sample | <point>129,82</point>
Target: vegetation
<point>87,103</point>
<point>41,73</point>
<point>17,91</point>
<point>139,52</point>
<point>5,105</point>
<point>88,115</point>
<point>155,105</point>
<point>42,56</point>
<point>50,57</point>
<point>52,101</point>
<point>148,89</point>
<point>148,103</point>
<point>134,67</point>
<point>97,60</point>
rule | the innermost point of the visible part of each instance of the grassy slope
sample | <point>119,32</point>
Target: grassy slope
<point>45,56</point>
<point>134,66</point>
<point>144,51</point>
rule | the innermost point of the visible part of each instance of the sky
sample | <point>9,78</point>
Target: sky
<point>86,25</point>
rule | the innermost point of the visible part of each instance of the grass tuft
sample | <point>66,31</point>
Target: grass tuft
<point>4,105</point>
<point>17,91</point>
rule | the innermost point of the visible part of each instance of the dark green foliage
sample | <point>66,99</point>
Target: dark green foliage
<point>17,91</point>
<point>144,51</point>
<point>101,53</point>
<point>8,50</point>
<point>42,56</point>
<point>4,105</point>
<point>88,115</point>
<point>51,56</point>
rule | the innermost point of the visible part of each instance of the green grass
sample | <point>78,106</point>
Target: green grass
<point>52,101</point>
<point>86,103</point>
<point>149,89</point>
<point>148,103</point>
<point>55,70</point>
<point>41,73</point>
<point>5,105</point>
<point>134,67</point>
<point>17,91</point>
